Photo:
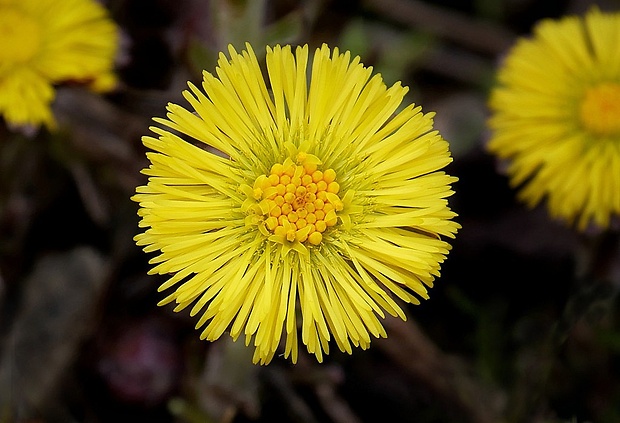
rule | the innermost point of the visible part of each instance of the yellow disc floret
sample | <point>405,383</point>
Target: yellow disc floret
<point>298,202</point>
<point>600,109</point>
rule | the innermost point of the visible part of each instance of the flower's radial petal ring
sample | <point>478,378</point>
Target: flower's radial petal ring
<point>306,203</point>
<point>47,42</point>
<point>556,118</point>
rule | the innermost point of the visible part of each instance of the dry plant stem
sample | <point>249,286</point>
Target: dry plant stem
<point>416,354</point>
<point>278,380</point>
<point>337,409</point>
<point>92,197</point>
<point>595,289</point>
<point>457,64</point>
<point>52,320</point>
<point>476,35</point>
<point>228,383</point>
<point>3,313</point>
<point>324,379</point>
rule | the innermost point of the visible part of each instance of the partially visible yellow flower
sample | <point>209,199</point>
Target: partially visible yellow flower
<point>309,202</point>
<point>45,42</point>
<point>556,117</point>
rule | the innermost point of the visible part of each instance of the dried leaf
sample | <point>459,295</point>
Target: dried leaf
<point>58,302</point>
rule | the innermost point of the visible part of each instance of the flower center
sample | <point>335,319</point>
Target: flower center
<point>600,109</point>
<point>19,36</point>
<point>297,202</point>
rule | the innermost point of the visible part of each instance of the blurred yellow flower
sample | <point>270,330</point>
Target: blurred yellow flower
<point>45,42</point>
<point>311,198</point>
<point>556,117</point>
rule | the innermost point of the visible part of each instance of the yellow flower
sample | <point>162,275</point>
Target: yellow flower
<point>44,42</point>
<point>310,198</point>
<point>556,117</point>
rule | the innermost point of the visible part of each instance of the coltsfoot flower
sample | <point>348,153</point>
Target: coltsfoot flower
<point>285,202</point>
<point>45,42</point>
<point>556,117</point>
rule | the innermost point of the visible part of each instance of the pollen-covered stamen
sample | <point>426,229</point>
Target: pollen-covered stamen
<point>600,109</point>
<point>298,202</point>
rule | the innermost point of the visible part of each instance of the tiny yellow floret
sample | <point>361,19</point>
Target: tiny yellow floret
<point>315,238</point>
<point>600,109</point>
<point>292,214</point>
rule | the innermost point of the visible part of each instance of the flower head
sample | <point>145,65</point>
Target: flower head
<point>44,42</point>
<point>308,202</point>
<point>556,117</point>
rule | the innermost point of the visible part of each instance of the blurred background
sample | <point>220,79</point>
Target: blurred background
<point>523,325</point>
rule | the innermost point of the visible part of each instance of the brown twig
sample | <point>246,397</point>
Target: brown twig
<point>417,355</point>
<point>460,29</point>
<point>280,383</point>
<point>459,65</point>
